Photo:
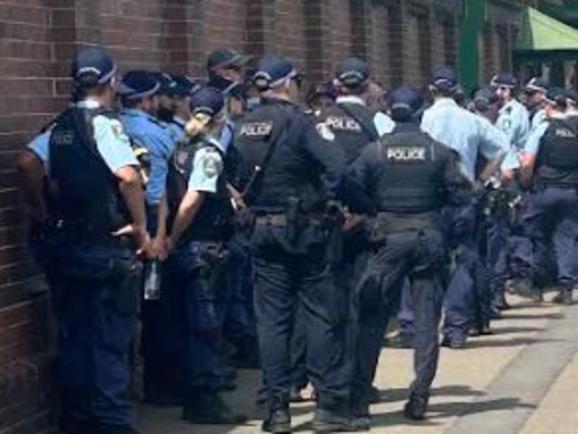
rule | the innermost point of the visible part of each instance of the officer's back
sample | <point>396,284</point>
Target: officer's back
<point>349,118</point>
<point>301,153</point>
<point>408,172</point>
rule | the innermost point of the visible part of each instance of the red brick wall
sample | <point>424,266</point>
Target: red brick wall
<point>401,40</point>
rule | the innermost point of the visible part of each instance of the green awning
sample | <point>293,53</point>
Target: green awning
<point>542,35</point>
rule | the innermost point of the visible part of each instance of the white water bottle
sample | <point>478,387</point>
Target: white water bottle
<point>152,285</point>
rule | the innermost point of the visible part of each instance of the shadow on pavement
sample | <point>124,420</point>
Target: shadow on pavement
<point>514,342</point>
<point>447,410</point>
<point>509,316</point>
<point>512,330</point>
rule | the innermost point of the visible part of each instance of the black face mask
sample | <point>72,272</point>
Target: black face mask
<point>165,114</point>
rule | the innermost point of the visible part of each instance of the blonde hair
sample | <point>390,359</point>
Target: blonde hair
<point>198,124</point>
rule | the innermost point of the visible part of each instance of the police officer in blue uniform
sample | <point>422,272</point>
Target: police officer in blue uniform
<point>535,92</point>
<point>289,169</point>
<point>409,178</point>
<point>466,303</point>
<point>351,122</point>
<point>200,224</point>
<point>97,202</point>
<point>550,166</point>
<point>140,102</point>
<point>182,88</point>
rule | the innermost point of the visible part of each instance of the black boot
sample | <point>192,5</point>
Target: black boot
<point>564,297</point>
<point>210,409</point>
<point>416,407</point>
<point>329,421</point>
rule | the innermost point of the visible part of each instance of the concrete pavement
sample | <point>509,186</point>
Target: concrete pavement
<point>521,380</point>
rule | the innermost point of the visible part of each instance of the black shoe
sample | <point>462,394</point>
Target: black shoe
<point>401,340</point>
<point>523,287</point>
<point>278,422</point>
<point>537,296</point>
<point>481,330</point>
<point>328,421</point>
<point>453,343</point>
<point>210,409</point>
<point>295,395</point>
<point>564,297</point>
<point>114,429</point>
<point>416,407</point>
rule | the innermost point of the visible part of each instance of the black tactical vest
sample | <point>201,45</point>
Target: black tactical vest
<point>84,190</point>
<point>289,173</point>
<point>353,127</point>
<point>412,179</point>
<point>557,161</point>
<point>214,220</point>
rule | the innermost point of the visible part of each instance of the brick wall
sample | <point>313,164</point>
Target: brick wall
<point>402,41</point>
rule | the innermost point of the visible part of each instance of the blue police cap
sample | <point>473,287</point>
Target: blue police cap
<point>272,71</point>
<point>536,84</point>
<point>322,89</point>
<point>557,96</point>
<point>352,72</point>
<point>138,84</point>
<point>485,95</point>
<point>92,66</point>
<point>405,102</point>
<point>226,58</point>
<point>183,85</point>
<point>207,100</point>
<point>445,78</point>
<point>504,79</point>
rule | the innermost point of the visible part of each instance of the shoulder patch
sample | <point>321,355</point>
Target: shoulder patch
<point>211,162</point>
<point>325,132</point>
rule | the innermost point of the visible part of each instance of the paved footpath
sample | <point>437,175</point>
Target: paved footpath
<point>521,380</point>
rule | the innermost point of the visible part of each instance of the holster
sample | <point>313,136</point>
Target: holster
<point>211,271</point>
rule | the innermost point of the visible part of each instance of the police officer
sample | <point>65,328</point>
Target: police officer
<point>97,199</point>
<point>535,92</point>
<point>321,97</point>
<point>290,168</point>
<point>466,303</point>
<point>182,88</point>
<point>140,102</point>
<point>199,226</point>
<point>409,177</point>
<point>513,118</point>
<point>349,119</point>
<point>550,165</point>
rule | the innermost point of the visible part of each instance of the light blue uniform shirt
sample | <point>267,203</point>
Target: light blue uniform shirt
<point>112,143</point>
<point>537,119</point>
<point>207,167</point>
<point>464,132</point>
<point>147,131</point>
<point>514,121</point>
<point>383,123</point>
